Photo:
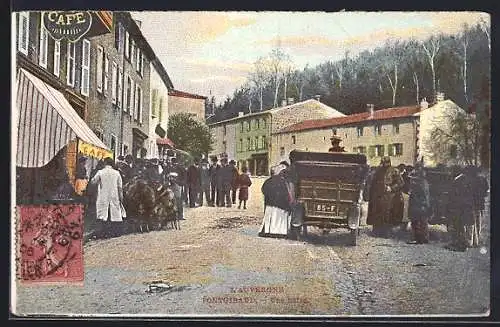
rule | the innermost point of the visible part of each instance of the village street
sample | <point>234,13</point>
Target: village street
<point>216,264</point>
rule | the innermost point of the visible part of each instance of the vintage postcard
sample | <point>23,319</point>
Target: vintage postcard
<point>250,164</point>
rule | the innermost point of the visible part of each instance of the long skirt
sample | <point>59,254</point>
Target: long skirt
<point>420,229</point>
<point>276,221</point>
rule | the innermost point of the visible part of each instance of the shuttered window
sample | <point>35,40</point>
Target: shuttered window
<point>23,32</point>
<point>398,149</point>
<point>154,102</point>
<point>127,44</point>
<point>138,100</point>
<point>70,64</point>
<point>114,84</point>
<point>132,98</point>
<point>85,84</point>
<point>128,93</point>
<point>44,46</point>
<point>120,88</point>
<point>57,57</point>
<point>160,109</point>
<point>99,68</point>
<point>106,74</point>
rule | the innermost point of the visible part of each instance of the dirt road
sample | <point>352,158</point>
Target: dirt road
<point>216,264</point>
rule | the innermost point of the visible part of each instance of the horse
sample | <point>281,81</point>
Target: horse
<point>140,202</point>
<point>165,209</point>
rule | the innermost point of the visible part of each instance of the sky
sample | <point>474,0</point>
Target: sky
<point>212,53</point>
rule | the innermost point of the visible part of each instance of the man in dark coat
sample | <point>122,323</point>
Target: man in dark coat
<point>385,186</point>
<point>193,182</point>
<point>204,182</point>
<point>234,186</point>
<point>214,191</point>
<point>224,183</point>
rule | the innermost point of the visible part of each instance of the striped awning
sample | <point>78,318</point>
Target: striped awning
<point>46,122</point>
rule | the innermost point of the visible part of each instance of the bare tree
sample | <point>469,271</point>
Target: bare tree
<point>431,50</point>
<point>277,58</point>
<point>485,26</point>
<point>464,40</point>
<point>390,67</point>
<point>287,70</point>
<point>415,81</point>
<point>259,78</point>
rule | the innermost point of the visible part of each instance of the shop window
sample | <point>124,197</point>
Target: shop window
<point>44,46</point>
<point>85,84</point>
<point>23,32</point>
<point>57,57</point>
<point>70,64</point>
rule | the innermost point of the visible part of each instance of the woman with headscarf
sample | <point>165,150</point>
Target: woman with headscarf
<point>419,207</point>
<point>277,200</point>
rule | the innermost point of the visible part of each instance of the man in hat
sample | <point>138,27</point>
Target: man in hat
<point>204,182</point>
<point>214,194</point>
<point>385,186</point>
<point>194,182</point>
<point>336,144</point>
<point>224,183</point>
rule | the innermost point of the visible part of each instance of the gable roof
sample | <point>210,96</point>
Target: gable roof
<point>383,114</point>
<point>182,94</point>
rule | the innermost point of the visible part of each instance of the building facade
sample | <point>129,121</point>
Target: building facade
<point>394,132</point>
<point>179,101</point>
<point>253,132</point>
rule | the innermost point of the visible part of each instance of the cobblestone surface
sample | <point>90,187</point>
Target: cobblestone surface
<point>216,264</point>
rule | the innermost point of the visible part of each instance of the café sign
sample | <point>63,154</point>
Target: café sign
<point>70,25</point>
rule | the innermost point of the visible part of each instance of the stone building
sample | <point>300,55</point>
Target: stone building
<point>394,132</point>
<point>251,143</point>
<point>179,101</point>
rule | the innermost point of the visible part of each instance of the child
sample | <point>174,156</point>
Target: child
<point>177,189</point>
<point>244,183</point>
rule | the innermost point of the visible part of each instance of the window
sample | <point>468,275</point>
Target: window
<point>257,146</point>
<point>241,144</point>
<point>154,100</point>
<point>139,62</point>
<point>258,123</point>
<point>248,126</point>
<point>70,64</point>
<point>395,128</point>
<point>114,84</point>
<point>119,99</point>
<point>128,94</point>
<point>44,46</point>
<point>57,57</point>
<point>160,109</point>
<point>379,150</point>
<point>23,32</point>
<point>360,131</point>
<point>143,63</point>
<point>99,68</point>
<point>249,144</point>
<point>127,44</point>
<point>282,151</point>
<point>132,53</point>
<point>360,149</point>
<point>138,101</point>
<point>398,149</point>
<point>264,142</point>
<point>106,74</point>
<point>377,130</point>
<point>294,139</point>
<point>84,86</point>
<point>264,123</point>
<point>241,127</point>
<point>113,143</point>
<point>119,37</point>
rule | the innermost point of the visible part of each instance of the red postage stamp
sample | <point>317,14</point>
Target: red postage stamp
<point>50,243</point>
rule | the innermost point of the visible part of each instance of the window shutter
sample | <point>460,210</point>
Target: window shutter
<point>106,74</point>
<point>23,32</point>
<point>114,84</point>
<point>57,57</point>
<point>127,45</point>
<point>85,67</point>
<point>120,87</point>
<point>160,109</point>
<point>381,150</point>
<point>70,64</point>
<point>142,64</point>
<point>132,52</point>
<point>138,60</point>
<point>100,52</point>
<point>44,44</point>
<point>154,112</point>
<point>401,149</point>
<point>132,98</point>
<point>140,104</point>
<point>120,38</point>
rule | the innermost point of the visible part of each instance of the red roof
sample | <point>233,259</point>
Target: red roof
<point>382,114</point>
<point>182,94</point>
<point>165,141</point>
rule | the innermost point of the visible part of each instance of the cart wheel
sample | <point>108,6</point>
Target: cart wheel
<point>354,237</point>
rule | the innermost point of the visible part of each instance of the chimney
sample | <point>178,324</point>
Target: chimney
<point>290,100</point>
<point>424,104</point>
<point>283,103</point>
<point>138,22</point>
<point>369,108</point>
<point>317,97</point>
<point>439,97</point>
<point>240,114</point>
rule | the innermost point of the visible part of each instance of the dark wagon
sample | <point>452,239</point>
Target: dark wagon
<point>329,186</point>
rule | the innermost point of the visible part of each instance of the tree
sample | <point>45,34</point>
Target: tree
<point>259,78</point>
<point>485,27</point>
<point>465,44</point>
<point>189,134</point>
<point>277,60</point>
<point>431,48</point>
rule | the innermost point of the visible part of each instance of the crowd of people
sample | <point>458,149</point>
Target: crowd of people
<point>394,195</point>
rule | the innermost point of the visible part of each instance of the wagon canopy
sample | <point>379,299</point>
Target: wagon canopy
<point>328,166</point>
<point>46,122</point>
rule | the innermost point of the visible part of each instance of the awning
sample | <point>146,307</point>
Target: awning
<point>46,122</point>
<point>165,141</point>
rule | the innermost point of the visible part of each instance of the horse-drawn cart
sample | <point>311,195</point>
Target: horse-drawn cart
<point>329,187</point>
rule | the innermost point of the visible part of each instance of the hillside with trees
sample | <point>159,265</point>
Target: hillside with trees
<point>401,72</point>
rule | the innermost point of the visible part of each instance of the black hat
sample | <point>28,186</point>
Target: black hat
<point>232,162</point>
